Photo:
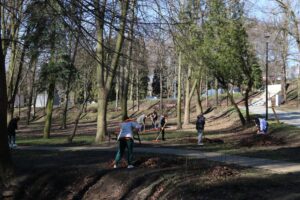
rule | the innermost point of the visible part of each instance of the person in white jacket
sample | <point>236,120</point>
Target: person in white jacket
<point>125,140</point>
<point>262,125</point>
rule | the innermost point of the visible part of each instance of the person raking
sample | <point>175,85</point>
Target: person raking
<point>154,117</point>
<point>125,140</point>
<point>141,120</point>
<point>200,123</point>
<point>162,124</point>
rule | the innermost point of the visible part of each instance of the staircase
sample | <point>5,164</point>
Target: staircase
<point>272,91</point>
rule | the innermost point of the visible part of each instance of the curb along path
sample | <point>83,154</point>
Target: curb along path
<point>260,163</point>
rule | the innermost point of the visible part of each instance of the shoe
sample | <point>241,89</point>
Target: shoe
<point>200,144</point>
<point>115,166</point>
<point>130,166</point>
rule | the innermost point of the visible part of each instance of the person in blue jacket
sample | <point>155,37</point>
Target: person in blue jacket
<point>125,140</point>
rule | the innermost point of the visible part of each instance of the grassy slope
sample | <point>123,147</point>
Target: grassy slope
<point>222,123</point>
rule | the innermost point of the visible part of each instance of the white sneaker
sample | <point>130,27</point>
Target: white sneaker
<point>115,166</point>
<point>200,144</point>
<point>14,145</point>
<point>130,166</point>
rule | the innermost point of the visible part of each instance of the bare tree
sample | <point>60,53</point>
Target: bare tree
<point>6,165</point>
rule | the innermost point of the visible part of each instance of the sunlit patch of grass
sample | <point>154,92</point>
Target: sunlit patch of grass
<point>78,140</point>
<point>169,135</point>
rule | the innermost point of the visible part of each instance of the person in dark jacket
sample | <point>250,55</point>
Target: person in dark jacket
<point>200,123</point>
<point>162,124</point>
<point>12,127</point>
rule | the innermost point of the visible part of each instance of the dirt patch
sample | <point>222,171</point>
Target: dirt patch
<point>148,162</point>
<point>205,140</point>
<point>219,171</point>
<point>187,140</point>
<point>213,141</point>
<point>157,162</point>
<point>261,140</point>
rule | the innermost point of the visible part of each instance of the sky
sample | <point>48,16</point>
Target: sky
<point>262,10</point>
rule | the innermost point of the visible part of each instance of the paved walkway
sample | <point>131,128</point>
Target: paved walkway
<point>266,164</point>
<point>287,117</point>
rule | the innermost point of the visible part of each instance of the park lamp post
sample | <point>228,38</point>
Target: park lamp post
<point>267,36</point>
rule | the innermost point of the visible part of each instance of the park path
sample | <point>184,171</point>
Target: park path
<point>273,166</point>
<point>291,117</point>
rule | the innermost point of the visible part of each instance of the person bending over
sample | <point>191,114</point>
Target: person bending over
<point>125,140</point>
<point>261,125</point>
<point>141,120</point>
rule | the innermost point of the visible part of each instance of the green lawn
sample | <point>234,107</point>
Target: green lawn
<point>55,140</point>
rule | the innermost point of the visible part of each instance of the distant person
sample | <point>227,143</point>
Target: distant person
<point>11,128</point>
<point>257,124</point>
<point>141,120</point>
<point>200,123</point>
<point>125,140</point>
<point>162,123</point>
<point>154,117</point>
<point>262,125</point>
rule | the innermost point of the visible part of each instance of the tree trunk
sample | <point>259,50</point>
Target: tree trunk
<point>242,119</point>
<point>71,137</point>
<point>188,98</point>
<point>105,80</point>
<point>217,93</point>
<point>34,64</point>
<point>131,87</point>
<point>137,89</point>
<point>126,76</point>
<point>186,118</point>
<point>65,111</point>
<point>34,104</point>
<point>101,117</point>
<point>247,91</point>
<point>199,107</point>
<point>206,88</point>
<point>14,87</point>
<point>168,88</point>
<point>283,82</point>
<point>49,110</point>
<point>117,95</point>
<point>160,90</point>
<point>124,92</point>
<point>179,125</point>
<point>11,72</point>
<point>6,164</point>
